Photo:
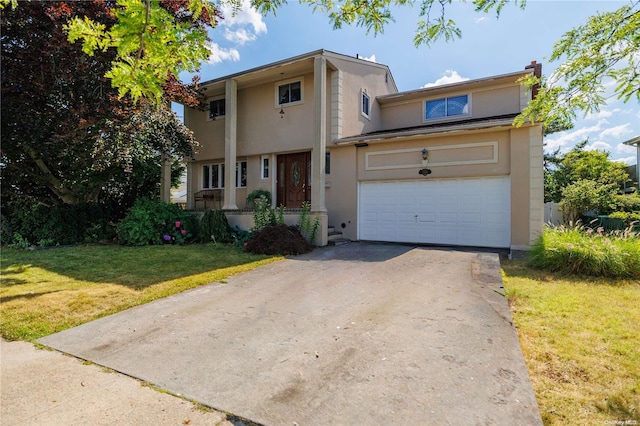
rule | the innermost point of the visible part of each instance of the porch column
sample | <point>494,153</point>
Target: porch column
<point>320,134</point>
<point>318,159</point>
<point>165,177</point>
<point>230,131</point>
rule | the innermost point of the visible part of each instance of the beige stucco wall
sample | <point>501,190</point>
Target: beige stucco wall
<point>376,80</point>
<point>516,153</point>
<point>484,103</point>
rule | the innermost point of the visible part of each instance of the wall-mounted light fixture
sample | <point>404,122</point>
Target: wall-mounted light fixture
<point>425,154</point>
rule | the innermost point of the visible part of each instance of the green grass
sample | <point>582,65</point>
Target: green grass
<point>46,291</point>
<point>581,341</point>
<point>583,251</point>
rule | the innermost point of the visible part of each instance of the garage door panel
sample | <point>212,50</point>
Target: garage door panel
<point>466,211</point>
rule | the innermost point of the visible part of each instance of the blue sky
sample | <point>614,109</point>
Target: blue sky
<point>488,46</point>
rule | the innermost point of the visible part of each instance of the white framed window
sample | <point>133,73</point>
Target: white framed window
<point>289,92</point>
<point>217,108</point>
<point>213,175</point>
<point>365,103</point>
<point>264,167</point>
<point>447,107</point>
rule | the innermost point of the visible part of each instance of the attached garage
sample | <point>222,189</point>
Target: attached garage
<point>463,212</point>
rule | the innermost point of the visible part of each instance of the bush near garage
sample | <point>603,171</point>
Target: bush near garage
<point>580,250</point>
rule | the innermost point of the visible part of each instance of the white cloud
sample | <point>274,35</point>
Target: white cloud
<point>570,137</point>
<point>625,149</point>
<point>603,113</point>
<point>617,132</point>
<point>600,146</point>
<point>219,54</point>
<point>627,160</point>
<point>246,15</point>
<point>480,20</point>
<point>241,36</point>
<point>448,77</point>
<point>371,58</point>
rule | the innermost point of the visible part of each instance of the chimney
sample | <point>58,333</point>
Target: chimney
<point>537,72</point>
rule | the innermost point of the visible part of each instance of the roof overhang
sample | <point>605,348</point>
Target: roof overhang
<point>272,72</point>
<point>426,92</point>
<point>634,141</point>
<point>501,123</point>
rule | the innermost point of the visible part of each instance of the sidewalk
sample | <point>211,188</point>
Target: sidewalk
<point>49,388</point>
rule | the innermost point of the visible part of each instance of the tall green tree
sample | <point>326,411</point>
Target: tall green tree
<point>580,164</point>
<point>67,137</point>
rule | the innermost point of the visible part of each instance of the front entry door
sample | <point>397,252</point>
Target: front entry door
<point>294,171</point>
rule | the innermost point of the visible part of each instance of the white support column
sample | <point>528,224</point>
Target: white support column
<point>318,159</point>
<point>165,186</point>
<point>320,134</point>
<point>230,141</point>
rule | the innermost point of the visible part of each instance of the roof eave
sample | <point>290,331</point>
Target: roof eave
<point>410,134</point>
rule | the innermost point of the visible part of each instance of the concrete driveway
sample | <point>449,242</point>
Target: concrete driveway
<point>361,334</point>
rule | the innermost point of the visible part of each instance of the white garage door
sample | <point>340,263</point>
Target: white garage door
<point>465,212</point>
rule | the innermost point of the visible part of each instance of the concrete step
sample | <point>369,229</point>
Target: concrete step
<point>339,241</point>
<point>334,235</point>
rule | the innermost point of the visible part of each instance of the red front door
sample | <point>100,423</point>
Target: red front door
<point>293,179</point>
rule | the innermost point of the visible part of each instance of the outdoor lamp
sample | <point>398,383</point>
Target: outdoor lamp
<point>425,154</point>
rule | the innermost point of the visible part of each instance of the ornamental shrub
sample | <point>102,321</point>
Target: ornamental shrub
<point>151,222</point>
<point>58,224</point>
<point>214,227</point>
<point>580,250</point>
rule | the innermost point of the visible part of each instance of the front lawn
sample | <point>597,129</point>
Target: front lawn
<point>46,291</point>
<point>581,342</point>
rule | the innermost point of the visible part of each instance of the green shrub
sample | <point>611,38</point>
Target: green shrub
<point>258,194</point>
<point>57,225</point>
<point>628,203</point>
<point>214,227</point>
<point>584,251</point>
<point>307,228</point>
<point>151,222</point>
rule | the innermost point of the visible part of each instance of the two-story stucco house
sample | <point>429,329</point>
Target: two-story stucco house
<point>439,165</point>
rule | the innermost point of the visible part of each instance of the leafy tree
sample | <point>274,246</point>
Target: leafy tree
<point>66,136</point>
<point>580,164</point>
<point>586,195</point>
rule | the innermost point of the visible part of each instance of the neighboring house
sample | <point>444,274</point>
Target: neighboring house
<point>634,171</point>
<point>439,165</point>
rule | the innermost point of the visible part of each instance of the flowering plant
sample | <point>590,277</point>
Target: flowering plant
<point>174,233</point>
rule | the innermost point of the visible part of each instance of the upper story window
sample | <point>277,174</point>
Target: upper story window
<point>365,104</point>
<point>213,175</point>
<point>447,107</point>
<point>289,93</point>
<point>264,167</point>
<point>217,108</point>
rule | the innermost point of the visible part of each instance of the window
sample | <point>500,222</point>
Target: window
<point>216,108</point>
<point>327,163</point>
<point>264,167</point>
<point>365,104</point>
<point>241,174</point>
<point>447,107</point>
<point>289,93</point>
<point>213,175</point>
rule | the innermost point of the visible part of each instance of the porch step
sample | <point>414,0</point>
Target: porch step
<point>335,238</point>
